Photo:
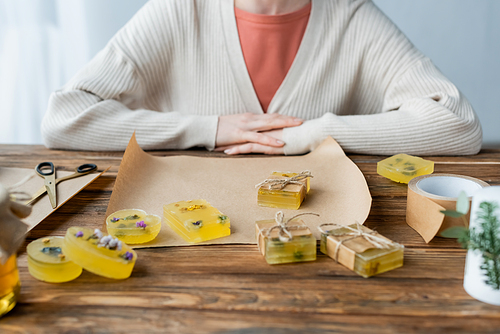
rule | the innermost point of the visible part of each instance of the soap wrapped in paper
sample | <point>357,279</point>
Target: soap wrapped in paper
<point>360,249</point>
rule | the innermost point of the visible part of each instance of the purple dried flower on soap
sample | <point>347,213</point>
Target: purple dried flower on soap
<point>114,219</point>
<point>128,256</point>
<point>79,234</point>
<point>141,224</point>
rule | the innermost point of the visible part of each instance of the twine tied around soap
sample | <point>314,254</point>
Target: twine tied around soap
<point>354,233</point>
<point>284,233</point>
<point>279,184</point>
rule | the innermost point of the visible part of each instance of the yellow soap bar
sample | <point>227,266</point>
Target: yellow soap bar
<point>133,226</point>
<point>290,197</point>
<point>9,284</point>
<point>196,221</point>
<point>98,253</point>
<point>402,167</point>
<point>300,248</point>
<point>47,262</point>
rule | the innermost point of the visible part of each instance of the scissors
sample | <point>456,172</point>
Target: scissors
<point>46,170</point>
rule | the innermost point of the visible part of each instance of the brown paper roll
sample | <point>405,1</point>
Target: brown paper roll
<point>429,194</point>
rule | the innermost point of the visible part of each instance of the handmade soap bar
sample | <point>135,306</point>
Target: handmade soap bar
<point>300,247</point>
<point>100,254</point>
<point>48,263</point>
<point>284,190</point>
<point>133,226</point>
<point>402,167</point>
<point>196,221</point>
<point>9,284</point>
<point>362,250</point>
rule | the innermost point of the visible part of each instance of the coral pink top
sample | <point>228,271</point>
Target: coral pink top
<point>269,44</point>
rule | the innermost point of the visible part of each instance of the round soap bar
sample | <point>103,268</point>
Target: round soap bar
<point>100,254</point>
<point>47,262</point>
<point>133,226</point>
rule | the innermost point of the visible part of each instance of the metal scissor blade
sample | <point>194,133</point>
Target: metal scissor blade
<point>52,196</point>
<point>50,185</point>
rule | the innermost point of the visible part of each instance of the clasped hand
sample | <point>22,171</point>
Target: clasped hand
<point>251,133</point>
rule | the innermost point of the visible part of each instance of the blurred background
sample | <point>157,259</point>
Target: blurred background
<point>43,43</point>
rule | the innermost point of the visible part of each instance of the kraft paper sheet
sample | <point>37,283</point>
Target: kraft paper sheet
<point>339,192</point>
<point>41,208</point>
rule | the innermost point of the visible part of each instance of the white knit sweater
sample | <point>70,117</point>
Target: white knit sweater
<point>178,65</point>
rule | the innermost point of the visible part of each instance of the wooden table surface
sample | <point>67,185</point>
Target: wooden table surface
<point>231,289</point>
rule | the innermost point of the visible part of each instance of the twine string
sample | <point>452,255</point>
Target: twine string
<point>20,195</point>
<point>284,231</point>
<point>370,236</point>
<point>279,184</point>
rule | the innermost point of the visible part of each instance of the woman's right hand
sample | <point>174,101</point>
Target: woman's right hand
<point>248,128</point>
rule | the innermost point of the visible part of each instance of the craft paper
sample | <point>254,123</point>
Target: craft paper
<point>41,207</point>
<point>339,192</point>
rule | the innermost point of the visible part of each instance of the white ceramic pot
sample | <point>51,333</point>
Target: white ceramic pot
<point>474,279</point>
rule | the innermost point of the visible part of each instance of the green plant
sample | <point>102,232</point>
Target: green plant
<point>485,239</point>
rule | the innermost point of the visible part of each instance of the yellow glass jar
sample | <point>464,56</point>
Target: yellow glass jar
<point>9,285</point>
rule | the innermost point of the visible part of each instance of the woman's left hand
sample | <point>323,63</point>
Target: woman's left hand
<point>254,147</point>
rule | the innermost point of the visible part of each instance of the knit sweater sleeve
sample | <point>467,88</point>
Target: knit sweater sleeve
<point>419,111</point>
<point>116,94</point>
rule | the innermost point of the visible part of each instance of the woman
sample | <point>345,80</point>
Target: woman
<point>268,76</point>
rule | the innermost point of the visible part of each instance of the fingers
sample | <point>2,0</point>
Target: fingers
<point>259,138</point>
<point>270,121</point>
<point>253,148</point>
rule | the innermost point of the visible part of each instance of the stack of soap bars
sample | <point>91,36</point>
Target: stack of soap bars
<point>196,221</point>
<point>58,259</point>
<point>402,167</point>
<point>284,190</point>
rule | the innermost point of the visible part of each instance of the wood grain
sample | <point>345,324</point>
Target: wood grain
<point>231,289</point>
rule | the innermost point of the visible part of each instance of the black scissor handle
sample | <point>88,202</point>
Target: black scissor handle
<point>86,168</point>
<point>45,172</point>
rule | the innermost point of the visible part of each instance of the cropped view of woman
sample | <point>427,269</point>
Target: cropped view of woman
<point>262,76</point>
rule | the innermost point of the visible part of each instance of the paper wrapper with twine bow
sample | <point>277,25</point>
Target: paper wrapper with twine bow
<point>284,190</point>
<point>285,240</point>
<point>360,249</point>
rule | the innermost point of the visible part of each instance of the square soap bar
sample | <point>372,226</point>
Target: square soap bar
<point>301,248</point>
<point>196,221</point>
<point>290,197</point>
<point>358,254</point>
<point>403,167</point>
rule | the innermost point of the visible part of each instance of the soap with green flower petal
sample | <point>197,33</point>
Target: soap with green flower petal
<point>48,263</point>
<point>196,221</point>
<point>403,167</point>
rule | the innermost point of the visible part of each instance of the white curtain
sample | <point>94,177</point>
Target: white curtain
<point>43,43</point>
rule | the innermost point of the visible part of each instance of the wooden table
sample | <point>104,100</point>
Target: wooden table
<point>231,289</point>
